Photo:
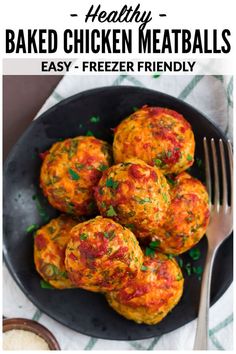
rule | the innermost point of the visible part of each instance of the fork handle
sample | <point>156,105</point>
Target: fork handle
<point>201,338</point>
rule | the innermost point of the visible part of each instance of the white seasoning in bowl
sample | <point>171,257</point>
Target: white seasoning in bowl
<point>18,339</point>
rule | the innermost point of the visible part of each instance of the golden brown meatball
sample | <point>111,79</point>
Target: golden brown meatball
<point>49,251</point>
<point>187,217</point>
<point>152,294</point>
<point>70,170</point>
<point>159,136</point>
<point>135,195</point>
<point>101,255</point>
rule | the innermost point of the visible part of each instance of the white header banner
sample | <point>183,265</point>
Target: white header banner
<point>117,36</point>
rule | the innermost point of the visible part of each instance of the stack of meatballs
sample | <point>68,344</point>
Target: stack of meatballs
<point>149,209</point>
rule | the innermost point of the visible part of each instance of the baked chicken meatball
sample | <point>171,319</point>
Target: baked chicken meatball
<point>70,170</point>
<point>135,195</point>
<point>152,294</point>
<point>49,251</point>
<point>159,136</point>
<point>101,255</point>
<point>187,217</point>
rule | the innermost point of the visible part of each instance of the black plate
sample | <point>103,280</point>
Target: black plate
<point>80,310</point>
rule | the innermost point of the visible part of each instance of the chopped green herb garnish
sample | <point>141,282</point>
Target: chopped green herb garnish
<point>158,162</point>
<point>43,214</point>
<point>189,157</point>
<point>149,252</point>
<point>74,175</point>
<point>79,166</point>
<point>165,197</point>
<point>197,270</point>
<point>73,148</point>
<point>154,244</point>
<point>195,253</point>
<point>155,76</point>
<point>89,133</point>
<point>144,200</point>
<point>171,181</point>
<point>180,262</point>
<point>102,167</point>
<point>32,228</point>
<point>103,204</point>
<point>188,268</point>
<point>45,285</point>
<point>199,162</point>
<point>95,119</point>
<point>83,236</point>
<point>111,211</point>
<point>169,153</point>
<point>110,235</point>
<point>170,256</point>
<point>111,183</point>
<point>179,277</point>
<point>143,267</point>
<point>130,226</point>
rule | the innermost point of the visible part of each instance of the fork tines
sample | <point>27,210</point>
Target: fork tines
<point>220,194</point>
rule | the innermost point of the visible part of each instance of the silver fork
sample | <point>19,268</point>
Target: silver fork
<point>220,227</point>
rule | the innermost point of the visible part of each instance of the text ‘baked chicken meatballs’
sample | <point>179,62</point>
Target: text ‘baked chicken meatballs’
<point>150,296</point>
<point>102,255</point>
<point>135,195</point>
<point>70,170</point>
<point>49,251</point>
<point>159,136</point>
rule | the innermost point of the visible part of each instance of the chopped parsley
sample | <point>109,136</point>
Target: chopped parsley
<point>45,285</point>
<point>111,183</point>
<point>89,133</point>
<point>95,119</point>
<point>149,252</point>
<point>79,166</point>
<point>199,162</point>
<point>158,162</point>
<point>170,256</point>
<point>32,228</point>
<point>144,268</point>
<point>165,197</point>
<point>111,211</point>
<point>144,200</point>
<point>83,236</point>
<point>42,212</point>
<point>180,262</point>
<point>195,253</point>
<point>102,167</point>
<point>155,76</point>
<point>154,244</point>
<point>171,181</point>
<point>188,268</point>
<point>103,204</point>
<point>74,175</point>
<point>179,277</point>
<point>109,235</point>
<point>198,271</point>
<point>189,157</point>
<point>130,226</point>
